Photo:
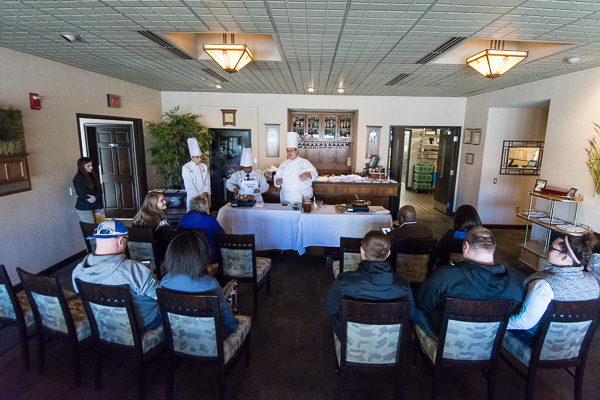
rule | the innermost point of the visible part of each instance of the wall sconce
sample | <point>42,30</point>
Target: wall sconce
<point>35,101</point>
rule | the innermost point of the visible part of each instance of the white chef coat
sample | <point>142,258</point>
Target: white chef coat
<point>238,179</point>
<point>196,180</point>
<point>292,187</point>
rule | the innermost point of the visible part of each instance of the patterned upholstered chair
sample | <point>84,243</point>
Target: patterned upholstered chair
<point>470,337</point>
<point>142,247</point>
<point>237,260</point>
<point>375,331</point>
<point>193,330</point>
<point>562,340</point>
<point>87,230</point>
<point>16,311</point>
<point>413,259</point>
<point>114,325</point>
<point>56,317</point>
<point>349,256</point>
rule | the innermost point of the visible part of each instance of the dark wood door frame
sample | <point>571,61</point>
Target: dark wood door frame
<point>139,154</point>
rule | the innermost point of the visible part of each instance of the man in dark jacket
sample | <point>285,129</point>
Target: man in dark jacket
<point>477,277</point>
<point>373,280</point>
<point>409,227</point>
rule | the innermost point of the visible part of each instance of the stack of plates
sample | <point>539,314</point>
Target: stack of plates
<point>572,229</point>
<point>555,221</point>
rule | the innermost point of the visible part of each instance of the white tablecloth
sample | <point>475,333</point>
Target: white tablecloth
<point>279,227</point>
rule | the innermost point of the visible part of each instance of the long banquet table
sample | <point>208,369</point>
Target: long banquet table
<point>281,228</point>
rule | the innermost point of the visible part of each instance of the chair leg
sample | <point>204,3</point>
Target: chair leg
<point>248,351</point>
<point>400,382</point>
<point>579,382</point>
<point>41,352</point>
<point>529,384</point>
<point>98,368</point>
<point>269,282</point>
<point>170,377</point>
<point>255,301</point>
<point>24,349</point>
<point>140,378</point>
<point>435,382</point>
<point>76,364</point>
<point>491,378</point>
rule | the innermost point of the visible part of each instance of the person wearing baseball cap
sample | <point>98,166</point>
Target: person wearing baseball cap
<point>108,266</point>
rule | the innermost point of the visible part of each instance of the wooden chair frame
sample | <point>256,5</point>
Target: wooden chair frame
<point>19,321</point>
<point>413,247</point>
<point>115,296</point>
<point>145,235</point>
<point>87,230</point>
<point>241,242</point>
<point>369,312</point>
<point>559,311</point>
<point>197,305</point>
<point>348,245</point>
<point>484,310</point>
<point>49,286</point>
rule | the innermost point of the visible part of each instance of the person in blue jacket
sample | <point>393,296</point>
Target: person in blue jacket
<point>198,218</point>
<point>186,265</point>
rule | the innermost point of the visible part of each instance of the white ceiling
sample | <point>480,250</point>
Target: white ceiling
<point>357,44</point>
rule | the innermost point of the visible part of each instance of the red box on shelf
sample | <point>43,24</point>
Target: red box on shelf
<point>554,191</point>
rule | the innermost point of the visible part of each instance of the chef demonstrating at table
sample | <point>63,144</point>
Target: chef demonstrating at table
<point>296,174</point>
<point>195,174</point>
<point>247,181</point>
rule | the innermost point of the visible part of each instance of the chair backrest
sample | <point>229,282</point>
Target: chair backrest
<point>236,255</point>
<point>565,332</point>
<point>373,331</point>
<point>87,230</point>
<point>192,323</point>
<point>455,254</point>
<point>48,302</point>
<point>349,253</point>
<point>142,246</point>
<point>10,308</point>
<point>111,313</point>
<point>413,258</point>
<point>472,331</point>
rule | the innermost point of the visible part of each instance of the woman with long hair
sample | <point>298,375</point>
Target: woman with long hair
<point>186,262</point>
<point>89,191</point>
<point>565,278</point>
<point>152,213</point>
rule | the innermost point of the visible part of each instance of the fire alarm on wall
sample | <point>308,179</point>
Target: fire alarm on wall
<point>114,101</point>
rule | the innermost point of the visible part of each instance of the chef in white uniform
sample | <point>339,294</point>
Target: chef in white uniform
<point>247,181</point>
<point>196,178</point>
<point>296,174</point>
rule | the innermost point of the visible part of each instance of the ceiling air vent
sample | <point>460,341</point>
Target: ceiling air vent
<point>450,43</point>
<point>166,45</point>
<point>214,74</point>
<point>397,79</point>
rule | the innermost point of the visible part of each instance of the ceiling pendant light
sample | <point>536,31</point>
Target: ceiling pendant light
<point>231,57</point>
<point>496,61</point>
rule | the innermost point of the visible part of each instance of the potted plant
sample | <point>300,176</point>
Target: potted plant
<point>12,138</point>
<point>171,152</point>
<point>594,159</point>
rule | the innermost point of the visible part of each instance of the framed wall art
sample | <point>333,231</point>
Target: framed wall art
<point>467,138</point>
<point>272,135</point>
<point>228,117</point>
<point>539,185</point>
<point>476,136</point>
<point>470,158</point>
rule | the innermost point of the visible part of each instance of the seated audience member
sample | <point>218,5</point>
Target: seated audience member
<point>152,215</point>
<point>477,277</point>
<point>186,262</point>
<point>466,217</point>
<point>409,227</point>
<point>373,280</point>
<point>565,279</point>
<point>108,266</point>
<point>198,218</point>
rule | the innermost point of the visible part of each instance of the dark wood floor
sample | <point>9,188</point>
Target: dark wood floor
<point>292,355</point>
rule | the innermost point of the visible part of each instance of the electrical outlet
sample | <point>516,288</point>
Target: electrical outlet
<point>495,180</point>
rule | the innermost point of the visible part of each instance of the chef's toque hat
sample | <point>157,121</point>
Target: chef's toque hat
<point>246,160</point>
<point>193,147</point>
<point>292,140</point>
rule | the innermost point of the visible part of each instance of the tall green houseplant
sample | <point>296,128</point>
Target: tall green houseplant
<point>171,151</point>
<point>594,159</point>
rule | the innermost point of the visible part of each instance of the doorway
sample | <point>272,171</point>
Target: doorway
<point>117,147</point>
<point>423,160</point>
<point>225,155</point>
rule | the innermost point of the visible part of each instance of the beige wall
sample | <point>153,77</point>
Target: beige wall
<point>573,106</point>
<point>39,228</point>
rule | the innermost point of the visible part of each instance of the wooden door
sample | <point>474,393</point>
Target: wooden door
<point>443,199</point>
<point>111,146</point>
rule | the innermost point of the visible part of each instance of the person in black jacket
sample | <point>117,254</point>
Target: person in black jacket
<point>89,191</point>
<point>373,280</point>
<point>477,277</point>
